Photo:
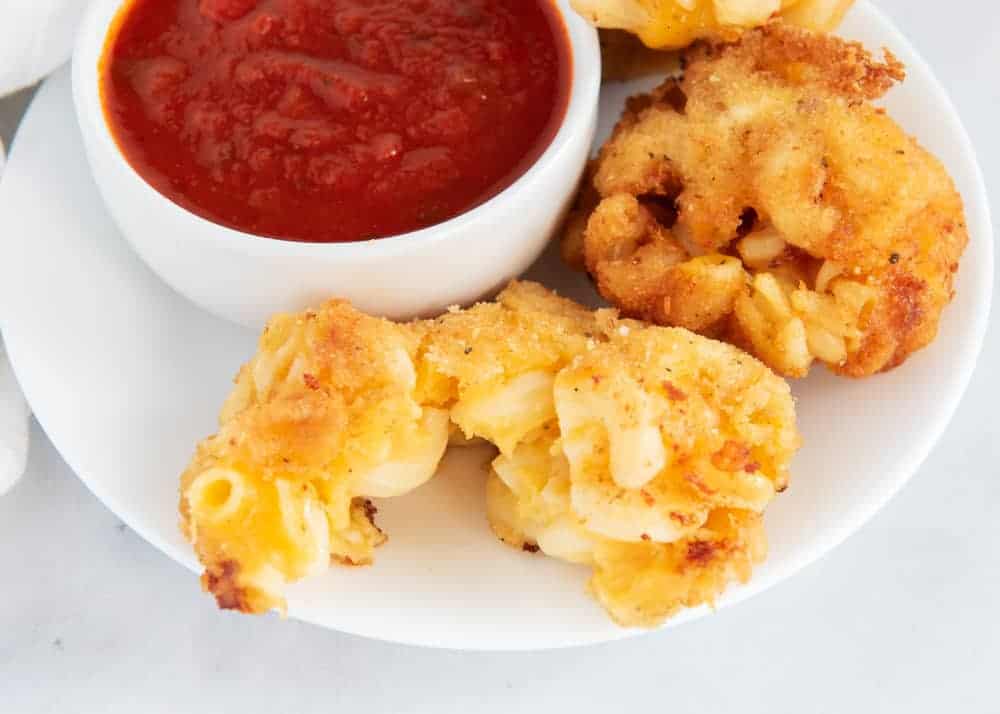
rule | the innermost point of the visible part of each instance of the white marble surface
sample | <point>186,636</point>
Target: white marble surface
<point>901,617</point>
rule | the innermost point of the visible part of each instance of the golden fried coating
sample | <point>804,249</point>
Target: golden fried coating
<point>493,365</point>
<point>321,419</point>
<point>665,449</point>
<point>646,453</point>
<point>673,24</point>
<point>818,228</point>
<point>641,584</point>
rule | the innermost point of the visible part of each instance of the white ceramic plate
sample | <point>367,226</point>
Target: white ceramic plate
<point>125,376</point>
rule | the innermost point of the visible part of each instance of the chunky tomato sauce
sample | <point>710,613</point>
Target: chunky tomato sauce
<point>334,120</point>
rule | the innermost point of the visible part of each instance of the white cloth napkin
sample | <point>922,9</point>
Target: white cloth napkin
<point>36,36</point>
<point>13,427</point>
<point>13,415</point>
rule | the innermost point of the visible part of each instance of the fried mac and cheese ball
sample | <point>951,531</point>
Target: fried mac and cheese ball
<point>646,453</point>
<point>665,451</point>
<point>321,419</point>
<point>763,199</point>
<point>673,24</point>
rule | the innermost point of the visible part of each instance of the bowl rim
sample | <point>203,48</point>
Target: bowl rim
<point>581,111</point>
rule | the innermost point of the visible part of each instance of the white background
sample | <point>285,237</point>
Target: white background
<point>902,617</point>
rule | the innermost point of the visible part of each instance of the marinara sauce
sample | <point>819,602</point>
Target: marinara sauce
<point>334,120</point>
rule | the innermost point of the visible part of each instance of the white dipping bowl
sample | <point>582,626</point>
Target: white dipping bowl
<point>245,278</point>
